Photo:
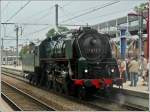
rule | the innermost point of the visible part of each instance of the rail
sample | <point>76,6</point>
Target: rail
<point>100,105</point>
<point>19,100</point>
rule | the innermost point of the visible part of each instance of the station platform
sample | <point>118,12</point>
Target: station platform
<point>138,88</point>
<point>13,67</point>
<point>4,107</point>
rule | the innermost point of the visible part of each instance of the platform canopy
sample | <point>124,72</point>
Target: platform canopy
<point>118,21</point>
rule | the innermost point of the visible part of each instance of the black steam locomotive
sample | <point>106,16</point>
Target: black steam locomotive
<point>77,63</point>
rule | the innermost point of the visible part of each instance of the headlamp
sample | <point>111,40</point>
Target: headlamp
<point>112,70</point>
<point>86,71</point>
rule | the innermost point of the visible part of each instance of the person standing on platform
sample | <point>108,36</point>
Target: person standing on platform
<point>147,75</point>
<point>134,69</point>
<point>15,63</point>
<point>127,67</point>
<point>124,70</point>
<point>119,66</point>
<point>144,69</point>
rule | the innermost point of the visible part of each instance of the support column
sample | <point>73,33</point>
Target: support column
<point>56,15</point>
<point>140,33</point>
<point>17,53</point>
<point>117,28</point>
<point>148,32</point>
<point>123,42</point>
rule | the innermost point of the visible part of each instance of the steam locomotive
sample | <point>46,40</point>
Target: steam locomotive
<point>78,63</point>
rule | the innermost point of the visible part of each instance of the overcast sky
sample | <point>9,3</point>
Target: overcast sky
<point>43,12</point>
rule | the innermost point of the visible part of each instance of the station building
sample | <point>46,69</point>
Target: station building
<point>132,25</point>
<point>8,56</point>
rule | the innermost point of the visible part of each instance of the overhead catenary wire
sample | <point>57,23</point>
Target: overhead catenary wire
<point>45,15</point>
<point>37,31</point>
<point>37,24</point>
<point>41,12</point>
<point>66,25</point>
<point>42,17</point>
<point>67,4</point>
<point>34,23</point>
<point>66,13</point>
<point>5,7</point>
<point>35,14</point>
<point>31,23</point>
<point>18,11</point>
<point>31,33</point>
<point>70,13</point>
<point>91,11</point>
<point>62,9</point>
<point>26,23</point>
<point>104,15</point>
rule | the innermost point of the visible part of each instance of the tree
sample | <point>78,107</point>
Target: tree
<point>23,51</point>
<point>142,7</point>
<point>62,29</point>
<point>52,32</point>
<point>26,48</point>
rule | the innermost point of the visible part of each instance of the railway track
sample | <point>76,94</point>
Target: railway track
<point>18,77</point>
<point>90,105</point>
<point>99,103</point>
<point>21,101</point>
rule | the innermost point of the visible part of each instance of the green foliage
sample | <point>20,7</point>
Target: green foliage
<point>62,29</point>
<point>141,7</point>
<point>26,48</point>
<point>52,32</point>
<point>23,51</point>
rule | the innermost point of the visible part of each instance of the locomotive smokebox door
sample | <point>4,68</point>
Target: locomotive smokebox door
<point>68,49</point>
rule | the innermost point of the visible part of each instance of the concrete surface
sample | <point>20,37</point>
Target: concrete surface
<point>13,67</point>
<point>4,107</point>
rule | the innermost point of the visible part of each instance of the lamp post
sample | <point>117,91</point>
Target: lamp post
<point>140,32</point>
<point>148,33</point>
<point>123,42</point>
